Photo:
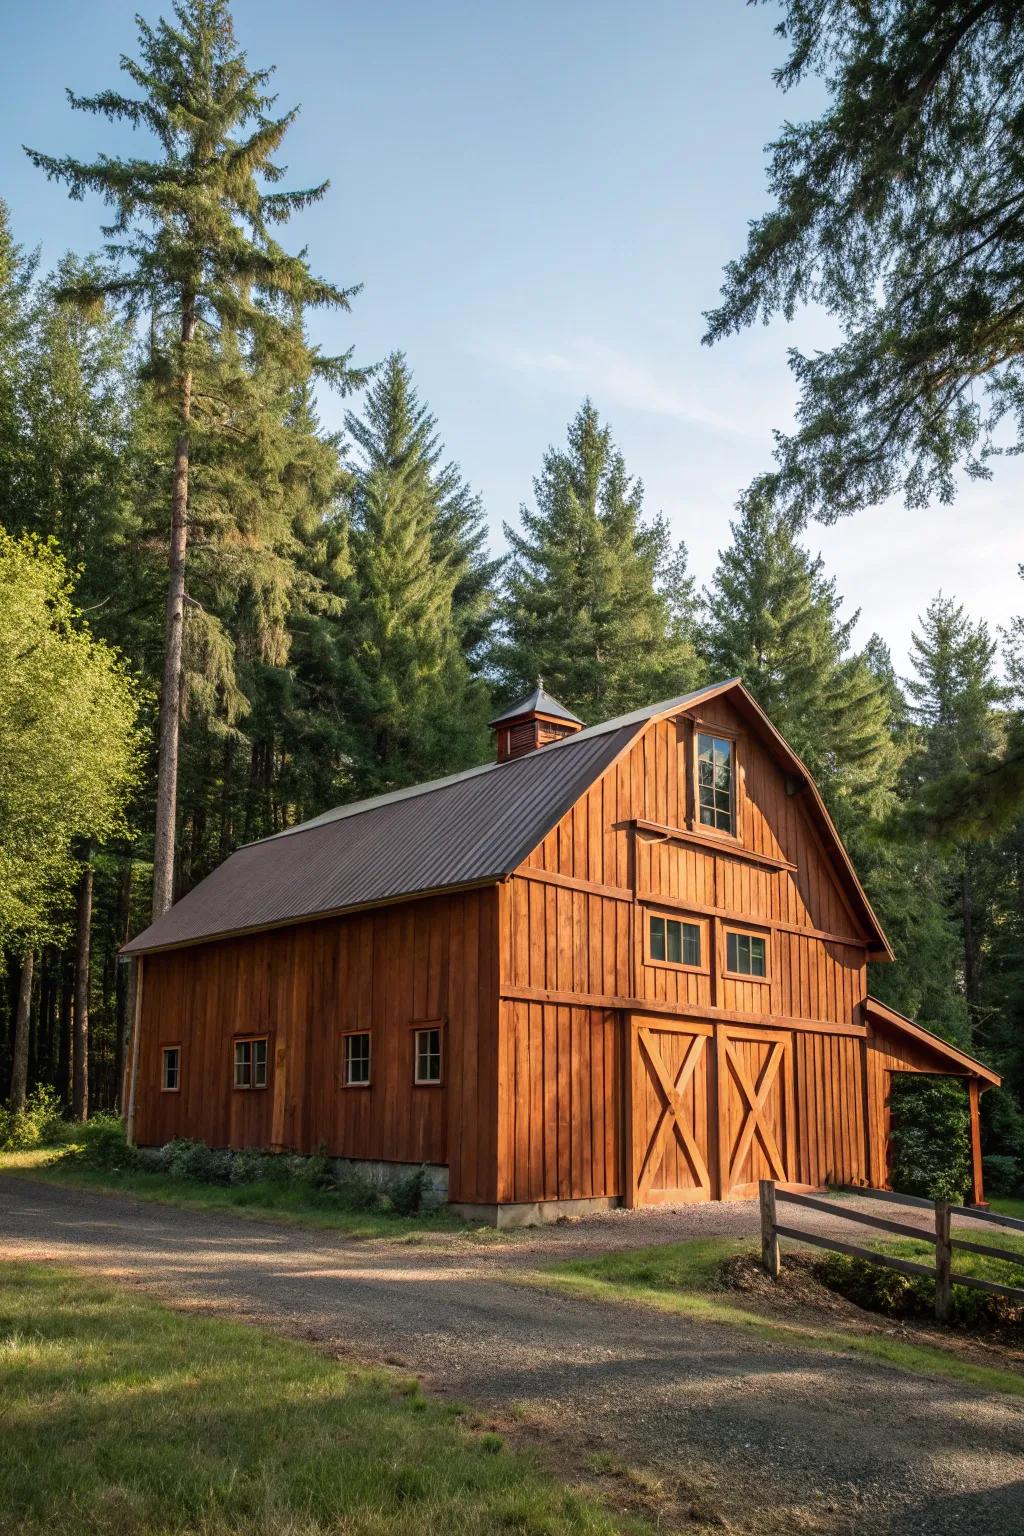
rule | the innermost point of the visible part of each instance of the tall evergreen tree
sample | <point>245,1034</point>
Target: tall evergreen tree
<point>773,619</point>
<point>192,245</point>
<point>414,708</point>
<point>596,601</point>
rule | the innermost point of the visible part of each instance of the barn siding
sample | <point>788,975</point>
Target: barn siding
<point>558,938</point>
<point>305,986</point>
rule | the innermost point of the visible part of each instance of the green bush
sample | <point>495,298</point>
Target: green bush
<point>100,1144</point>
<point>1003,1175</point>
<point>930,1137</point>
<point>34,1125</point>
<point>887,1291</point>
<point>406,1192</point>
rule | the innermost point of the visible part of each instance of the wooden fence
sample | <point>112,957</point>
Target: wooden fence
<point>942,1271</point>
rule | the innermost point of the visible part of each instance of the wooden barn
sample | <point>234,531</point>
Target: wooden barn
<point>622,964</point>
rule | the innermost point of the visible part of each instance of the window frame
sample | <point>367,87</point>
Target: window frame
<point>354,1034</point>
<point>164,1049</point>
<point>422,1027</point>
<point>695,920</point>
<point>718,734</point>
<point>742,931</point>
<point>251,1040</point>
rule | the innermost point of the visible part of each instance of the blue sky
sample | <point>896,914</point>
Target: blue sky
<point>538,198</point>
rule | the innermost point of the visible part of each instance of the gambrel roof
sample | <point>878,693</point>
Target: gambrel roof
<point>469,829</point>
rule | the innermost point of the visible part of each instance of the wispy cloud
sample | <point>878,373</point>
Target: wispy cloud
<point>613,379</point>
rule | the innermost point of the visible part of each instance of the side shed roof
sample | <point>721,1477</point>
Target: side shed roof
<point>952,1058</point>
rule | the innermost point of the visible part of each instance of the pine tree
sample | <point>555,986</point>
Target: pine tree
<point>413,707</point>
<point>191,242</point>
<point>773,620</point>
<point>596,601</point>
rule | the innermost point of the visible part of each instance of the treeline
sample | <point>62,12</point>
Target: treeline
<point>315,617</point>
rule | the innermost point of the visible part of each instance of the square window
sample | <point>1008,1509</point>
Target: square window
<point>251,1059</point>
<point>746,954</point>
<point>171,1069</point>
<point>428,1055</point>
<point>357,1061</point>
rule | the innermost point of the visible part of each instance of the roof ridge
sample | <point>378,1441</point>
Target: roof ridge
<point>411,791</point>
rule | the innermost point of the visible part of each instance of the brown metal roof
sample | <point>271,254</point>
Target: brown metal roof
<point>466,830</point>
<point>469,829</point>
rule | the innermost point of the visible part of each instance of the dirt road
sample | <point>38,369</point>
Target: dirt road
<point>764,1436</point>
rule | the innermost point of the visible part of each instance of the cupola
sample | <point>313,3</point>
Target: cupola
<point>534,722</point>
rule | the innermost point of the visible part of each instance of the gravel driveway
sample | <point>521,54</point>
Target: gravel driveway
<point>764,1436</point>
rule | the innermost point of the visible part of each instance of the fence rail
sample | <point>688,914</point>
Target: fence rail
<point>942,1236</point>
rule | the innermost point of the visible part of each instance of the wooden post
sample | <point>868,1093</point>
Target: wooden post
<point>974,1101</point>
<point>133,1070</point>
<point>943,1261</point>
<point>769,1237</point>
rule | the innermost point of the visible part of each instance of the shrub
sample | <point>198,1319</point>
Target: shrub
<point>195,1160</point>
<point>887,1291</point>
<point>406,1193</point>
<point>100,1144</point>
<point>1003,1175</point>
<point>33,1126</point>
<point>930,1130</point>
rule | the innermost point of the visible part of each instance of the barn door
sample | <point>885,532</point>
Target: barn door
<point>670,1135</point>
<point>755,1109</point>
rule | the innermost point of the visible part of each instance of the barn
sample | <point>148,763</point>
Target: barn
<point>625,964</point>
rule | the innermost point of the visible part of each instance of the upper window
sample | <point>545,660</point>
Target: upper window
<point>427,1055</point>
<point>672,941</point>
<point>170,1072</point>
<point>251,1062</point>
<point>357,1061</point>
<point>746,954</point>
<point>715,782</point>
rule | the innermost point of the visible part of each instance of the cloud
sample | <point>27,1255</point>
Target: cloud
<point>613,379</point>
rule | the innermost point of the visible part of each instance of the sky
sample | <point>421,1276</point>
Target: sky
<point>538,199</point>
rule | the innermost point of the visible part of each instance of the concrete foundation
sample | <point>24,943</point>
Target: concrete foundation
<point>534,1213</point>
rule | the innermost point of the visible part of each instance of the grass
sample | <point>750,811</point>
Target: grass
<point>1007,1206</point>
<point>684,1278</point>
<point>262,1200</point>
<point>122,1417</point>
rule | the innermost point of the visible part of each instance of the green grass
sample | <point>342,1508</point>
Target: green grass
<point>121,1417</point>
<point>263,1200</point>
<point>1006,1206</point>
<point>684,1278</point>
<point>965,1262</point>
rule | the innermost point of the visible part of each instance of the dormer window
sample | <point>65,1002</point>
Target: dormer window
<point>715,790</point>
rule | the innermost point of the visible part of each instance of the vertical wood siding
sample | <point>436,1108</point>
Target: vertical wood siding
<point>305,987</point>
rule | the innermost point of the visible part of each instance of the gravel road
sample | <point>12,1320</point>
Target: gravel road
<point>762,1436</point>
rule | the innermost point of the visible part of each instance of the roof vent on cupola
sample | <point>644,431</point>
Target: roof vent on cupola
<point>534,722</point>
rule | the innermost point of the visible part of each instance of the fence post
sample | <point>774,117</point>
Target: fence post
<point>769,1236</point>
<point>943,1261</point>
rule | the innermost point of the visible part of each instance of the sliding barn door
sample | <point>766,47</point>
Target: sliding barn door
<point>670,1121</point>
<point>755,1109</point>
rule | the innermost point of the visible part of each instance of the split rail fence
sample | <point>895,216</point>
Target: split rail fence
<point>943,1237</point>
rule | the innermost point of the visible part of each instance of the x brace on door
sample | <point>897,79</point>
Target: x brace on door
<point>672,1111</point>
<point>755,1121</point>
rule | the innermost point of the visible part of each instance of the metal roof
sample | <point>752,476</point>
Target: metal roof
<point>467,830</point>
<point>538,702</point>
<point>471,828</point>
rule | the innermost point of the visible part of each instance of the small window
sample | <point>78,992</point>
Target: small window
<point>251,1062</point>
<point>746,954</point>
<point>357,1061</point>
<point>427,1055</point>
<point>170,1075</point>
<point>714,782</point>
<point>674,942</point>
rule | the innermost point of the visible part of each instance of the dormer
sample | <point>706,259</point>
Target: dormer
<point>534,722</point>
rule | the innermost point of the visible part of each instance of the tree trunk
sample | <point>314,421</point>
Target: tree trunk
<point>65,1061</point>
<point>83,927</point>
<point>170,693</point>
<point>972,949</point>
<point>19,1065</point>
<point>122,988</point>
